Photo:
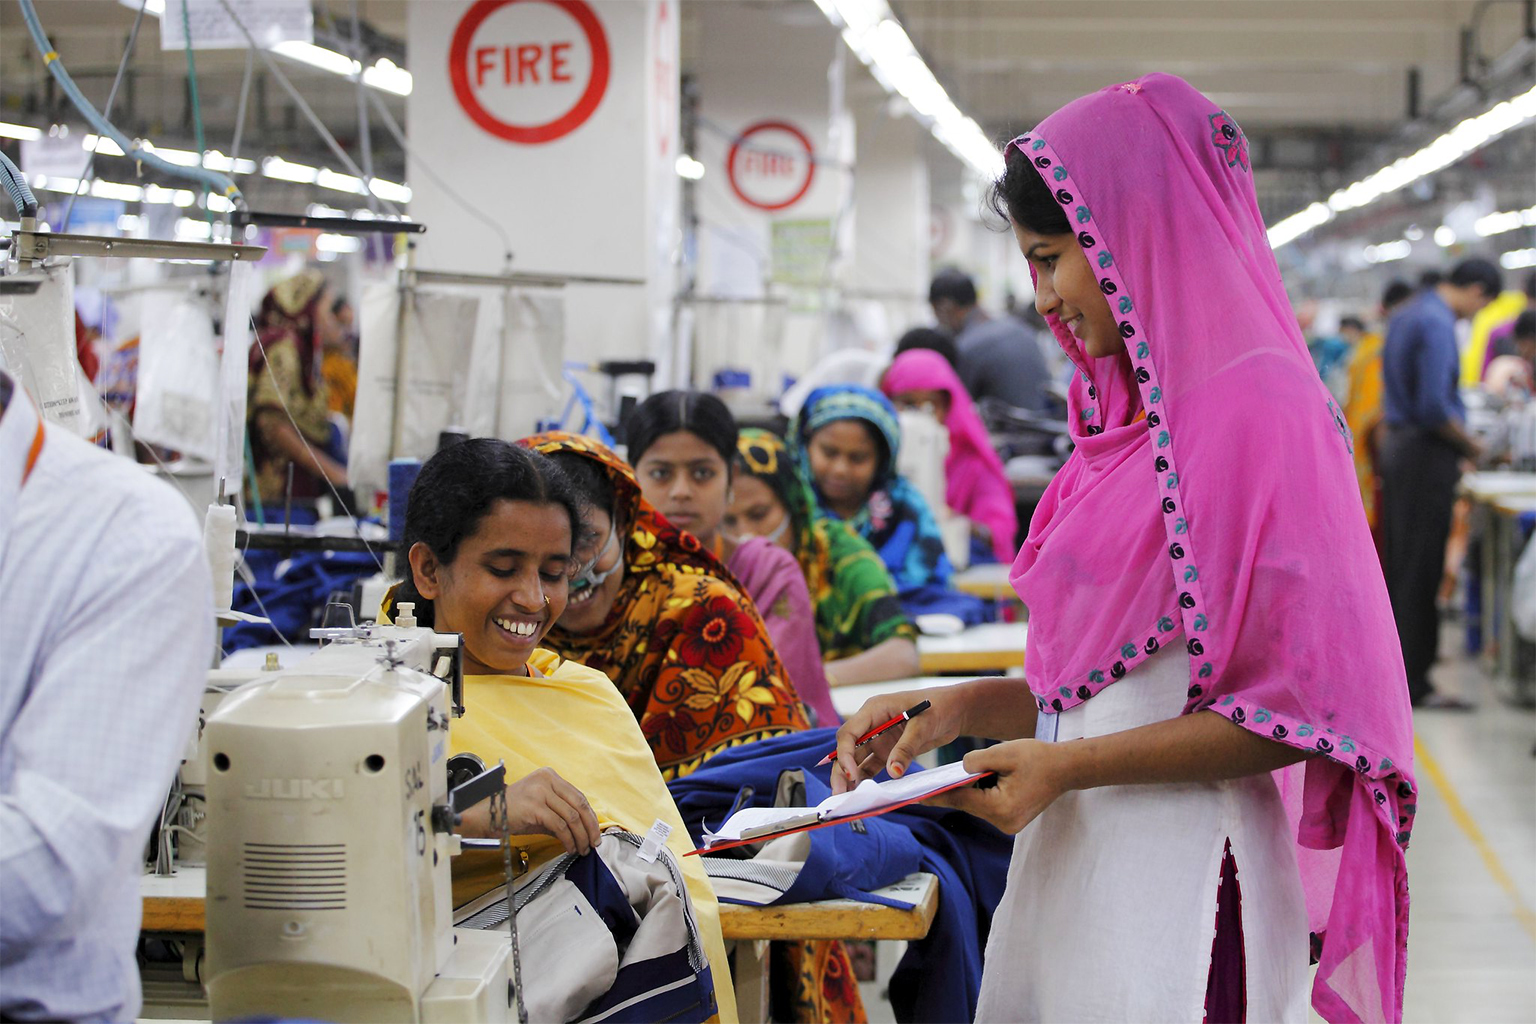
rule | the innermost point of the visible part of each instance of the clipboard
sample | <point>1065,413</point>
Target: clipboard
<point>812,818</point>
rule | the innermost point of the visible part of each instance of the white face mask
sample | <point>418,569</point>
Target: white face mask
<point>778,531</point>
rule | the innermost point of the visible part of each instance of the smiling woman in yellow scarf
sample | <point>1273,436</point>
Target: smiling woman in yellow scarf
<point>667,622</point>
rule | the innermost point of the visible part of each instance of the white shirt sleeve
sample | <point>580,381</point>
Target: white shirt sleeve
<point>109,704</point>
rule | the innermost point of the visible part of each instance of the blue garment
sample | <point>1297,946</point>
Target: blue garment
<point>896,520</point>
<point>939,978</point>
<point>1328,354</point>
<point>292,591</point>
<point>1421,365</point>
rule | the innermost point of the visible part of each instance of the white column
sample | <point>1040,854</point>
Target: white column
<point>556,121</point>
<point>892,231</point>
<point>771,191</point>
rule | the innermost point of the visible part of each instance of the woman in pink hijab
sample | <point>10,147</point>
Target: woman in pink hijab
<point>1208,619</point>
<point>974,483</point>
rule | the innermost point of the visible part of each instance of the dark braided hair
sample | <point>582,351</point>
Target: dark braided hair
<point>458,486</point>
<point>1023,197</point>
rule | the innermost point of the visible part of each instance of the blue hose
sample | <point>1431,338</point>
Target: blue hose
<point>16,185</point>
<point>212,179</point>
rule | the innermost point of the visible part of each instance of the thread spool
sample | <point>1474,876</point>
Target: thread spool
<point>402,477</point>
<point>219,542</point>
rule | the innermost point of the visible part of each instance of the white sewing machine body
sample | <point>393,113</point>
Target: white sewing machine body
<point>329,893</point>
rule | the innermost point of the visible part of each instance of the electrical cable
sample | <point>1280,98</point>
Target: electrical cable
<point>90,163</point>
<point>364,138</point>
<point>212,179</point>
<point>196,104</point>
<point>245,93</point>
<point>301,103</point>
<point>16,185</point>
<point>470,208</point>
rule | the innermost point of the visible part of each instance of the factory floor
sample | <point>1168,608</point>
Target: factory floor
<point>1472,862</point>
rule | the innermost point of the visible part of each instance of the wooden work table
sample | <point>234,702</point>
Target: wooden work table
<point>175,904</point>
<point>991,647</point>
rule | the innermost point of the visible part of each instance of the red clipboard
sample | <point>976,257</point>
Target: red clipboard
<point>983,777</point>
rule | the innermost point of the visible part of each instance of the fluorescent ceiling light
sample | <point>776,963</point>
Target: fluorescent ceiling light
<point>100,144</point>
<point>875,36</point>
<point>117,190</point>
<point>191,230</point>
<point>26,133</point>
<point>129,222</point>
<point>318,57</point>
<point>1509,220</point>
<point>384,74</point>
<point>1388,251</point>
<point>287,170</point>
<point>688,167</point>
<point>1444,237</point>
<point>390,191</point>
<point>338,243</point>
<point>1467,137</point>
<point>327,178</point>
<point>53,183</point>
<point>1518,259</point>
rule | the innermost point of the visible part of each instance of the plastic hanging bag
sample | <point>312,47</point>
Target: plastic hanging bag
<point>37,347</point>
<point>178,376</point>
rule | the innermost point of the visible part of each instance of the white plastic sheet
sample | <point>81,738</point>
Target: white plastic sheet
<point>486,360</point>
<point>37,345</point>
<point>178,375</point>
<point>234,377</point>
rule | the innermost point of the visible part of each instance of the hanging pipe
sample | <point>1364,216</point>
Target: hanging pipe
<point>212,179</point>
<point>16,185</point>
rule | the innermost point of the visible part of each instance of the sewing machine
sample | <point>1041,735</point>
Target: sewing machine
<point>329,835</point>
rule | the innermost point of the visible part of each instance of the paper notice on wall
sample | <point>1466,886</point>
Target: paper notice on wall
<point>234,378</point>
<point>178,375</point>
<point>269,21</point>
<point>440,330</point>
<point>37,347</point>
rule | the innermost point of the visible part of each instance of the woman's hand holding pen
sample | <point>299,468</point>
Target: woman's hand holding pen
<point>894,748</point>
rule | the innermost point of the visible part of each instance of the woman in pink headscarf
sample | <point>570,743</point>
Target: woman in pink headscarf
<point>974,483</point>
<point>1206,610</point>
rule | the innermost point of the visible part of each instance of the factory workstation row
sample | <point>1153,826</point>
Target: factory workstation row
<point>814,511</point>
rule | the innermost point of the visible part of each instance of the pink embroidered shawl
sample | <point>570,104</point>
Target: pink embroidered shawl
<point>1229,519</point>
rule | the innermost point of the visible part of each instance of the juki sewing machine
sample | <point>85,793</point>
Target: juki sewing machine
<point>329,835</point>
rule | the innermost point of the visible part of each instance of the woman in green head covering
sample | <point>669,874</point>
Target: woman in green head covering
<point>864,633</point>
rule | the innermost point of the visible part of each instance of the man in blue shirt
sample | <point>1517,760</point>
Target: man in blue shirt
<point>1421,456</point>
<point>999,358</point>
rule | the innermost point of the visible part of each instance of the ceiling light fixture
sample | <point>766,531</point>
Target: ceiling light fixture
<point>25,133</point>
<point>1468,136</point>
<point>1518,259</point>
<point>871,30</point>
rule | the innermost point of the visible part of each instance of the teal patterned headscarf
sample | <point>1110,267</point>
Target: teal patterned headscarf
<point>895,518</point>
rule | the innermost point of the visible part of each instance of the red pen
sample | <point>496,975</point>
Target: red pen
<point>911,712</point>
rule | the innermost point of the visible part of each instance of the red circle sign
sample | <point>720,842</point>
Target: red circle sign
<point>753,169</point>
<point>479,67</point>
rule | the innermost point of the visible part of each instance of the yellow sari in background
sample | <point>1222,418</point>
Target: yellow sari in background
<point>570,718</point>
<point>1363,411</point>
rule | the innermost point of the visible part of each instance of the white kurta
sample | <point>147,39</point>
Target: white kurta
<point>1110,909</point>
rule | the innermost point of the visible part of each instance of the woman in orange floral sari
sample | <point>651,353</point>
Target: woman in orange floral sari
<point>666,621</point>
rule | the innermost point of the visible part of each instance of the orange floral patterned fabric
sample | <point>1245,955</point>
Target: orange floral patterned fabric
<point>684,644</point>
